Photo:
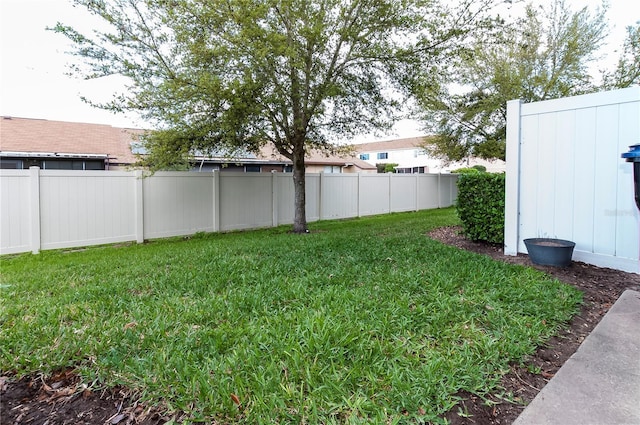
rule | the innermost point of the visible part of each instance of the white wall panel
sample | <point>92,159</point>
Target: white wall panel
<point>584,179</point>
<point>374,194</point>
<point>245,201</point>
<point>572,182</point>
<point>339,196</point>
<point>448,190</point>
<point>14,211</point>
<point>177,204</point>
<point>60,209</point>
<point>313,195</point>
<point>404,192</point>
<point>428,190</point>
<point>627,213</point>
<point>85,208</point>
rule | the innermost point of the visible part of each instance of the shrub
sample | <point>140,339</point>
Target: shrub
<point>386,168</point>
<point>474,169</point>
<point>471,170</point>
<point>480,206</point>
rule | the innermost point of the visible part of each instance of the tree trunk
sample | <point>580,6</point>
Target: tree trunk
<point>300,212</point>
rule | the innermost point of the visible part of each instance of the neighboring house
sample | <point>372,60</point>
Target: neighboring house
<point>318,162</point>
<point>26,142</point>
<point>52,145</point>
<point>411,157</point>
<point>407,153</point>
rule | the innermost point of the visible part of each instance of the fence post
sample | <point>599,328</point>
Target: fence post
<point>359,191</point>
<point>139,206</point>
<point>34,212</point>
<point>512,179</point>
<point>320,196</point>
<point>274,199</point>
<point>439,189</point>
<point>216,200</point>
<point>390,192</point>
<point>417,192</point>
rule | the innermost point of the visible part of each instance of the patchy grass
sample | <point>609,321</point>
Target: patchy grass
<point>364,320</point>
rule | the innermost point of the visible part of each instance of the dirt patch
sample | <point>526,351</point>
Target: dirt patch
<point>62,399</point>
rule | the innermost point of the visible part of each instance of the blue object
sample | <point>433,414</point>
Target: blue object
<point>634,156</point>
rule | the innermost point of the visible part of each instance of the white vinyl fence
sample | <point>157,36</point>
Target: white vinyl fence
<point>49,209</point>
<point>565,177</point>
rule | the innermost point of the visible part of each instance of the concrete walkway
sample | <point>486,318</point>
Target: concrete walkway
<point>600,383</point>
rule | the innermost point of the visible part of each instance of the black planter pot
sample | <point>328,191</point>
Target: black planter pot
<point>550,252</point>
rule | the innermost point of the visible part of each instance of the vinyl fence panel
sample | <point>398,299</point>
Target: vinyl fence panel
<point>403,193</point>
<point>566,179</point>
<point>177,203</point>
<point>374,194</point>
<point>15,211</point>
<point>47,209</point>
<point>94,209</point>
<point>339,196</point>
<point>245,201</point>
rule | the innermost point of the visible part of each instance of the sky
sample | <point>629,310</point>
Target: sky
<point>34,84</point>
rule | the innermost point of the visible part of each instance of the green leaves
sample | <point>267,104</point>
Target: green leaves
<point>543,55</point>
<point>480,206</point>
<point>242,73</point>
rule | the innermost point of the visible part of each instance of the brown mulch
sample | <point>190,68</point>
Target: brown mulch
<point>62,399</point>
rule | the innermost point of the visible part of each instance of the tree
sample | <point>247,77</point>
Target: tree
<point>627,72</point>
<point>235,74</point>
<point>386,167</point>
<point>543,55</point>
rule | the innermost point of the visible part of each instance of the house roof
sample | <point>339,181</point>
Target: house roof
<point>317,157</point>
<point>390,145</point>
<point>37,136</point>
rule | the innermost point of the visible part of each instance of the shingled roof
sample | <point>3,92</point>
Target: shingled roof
<point>36,136</point>
<point>44,137</point>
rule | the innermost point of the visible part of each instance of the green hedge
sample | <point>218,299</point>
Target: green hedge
<point>480,206</point>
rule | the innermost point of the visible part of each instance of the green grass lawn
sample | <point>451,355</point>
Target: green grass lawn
<point>364,320</point>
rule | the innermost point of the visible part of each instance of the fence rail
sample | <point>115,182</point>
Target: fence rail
<point>51,209</point>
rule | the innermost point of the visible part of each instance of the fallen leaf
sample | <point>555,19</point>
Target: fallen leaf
<point>235,399</point>
<point>130,325</point>
<point>65,392</point>
<point>3,384</point>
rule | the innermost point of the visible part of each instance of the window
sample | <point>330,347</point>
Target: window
<point>10,164</point>
<point>72,164</point>
<point>94,165</point>
<point>364,156</point>
<point>330,169</point>
<point>383,155</point>
<point>61,164</point>
<point>252,168</point>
